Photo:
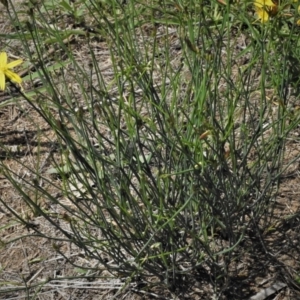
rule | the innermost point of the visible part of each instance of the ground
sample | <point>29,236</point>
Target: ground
<point>27,261</point>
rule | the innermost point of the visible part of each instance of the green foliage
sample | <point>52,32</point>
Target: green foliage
<point>171,162</point>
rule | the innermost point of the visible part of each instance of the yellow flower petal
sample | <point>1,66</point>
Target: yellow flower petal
<point>3,59</point>
<point>14,63</point>
<point>262,15</point>
<point>2,81</point>
<point>264,3</point>
<point>13,76</point>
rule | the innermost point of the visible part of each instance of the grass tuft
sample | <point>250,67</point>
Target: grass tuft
<point>169,126</point>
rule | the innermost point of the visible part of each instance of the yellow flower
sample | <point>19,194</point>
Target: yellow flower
<point>6,72</point>
<point>264,9</point>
